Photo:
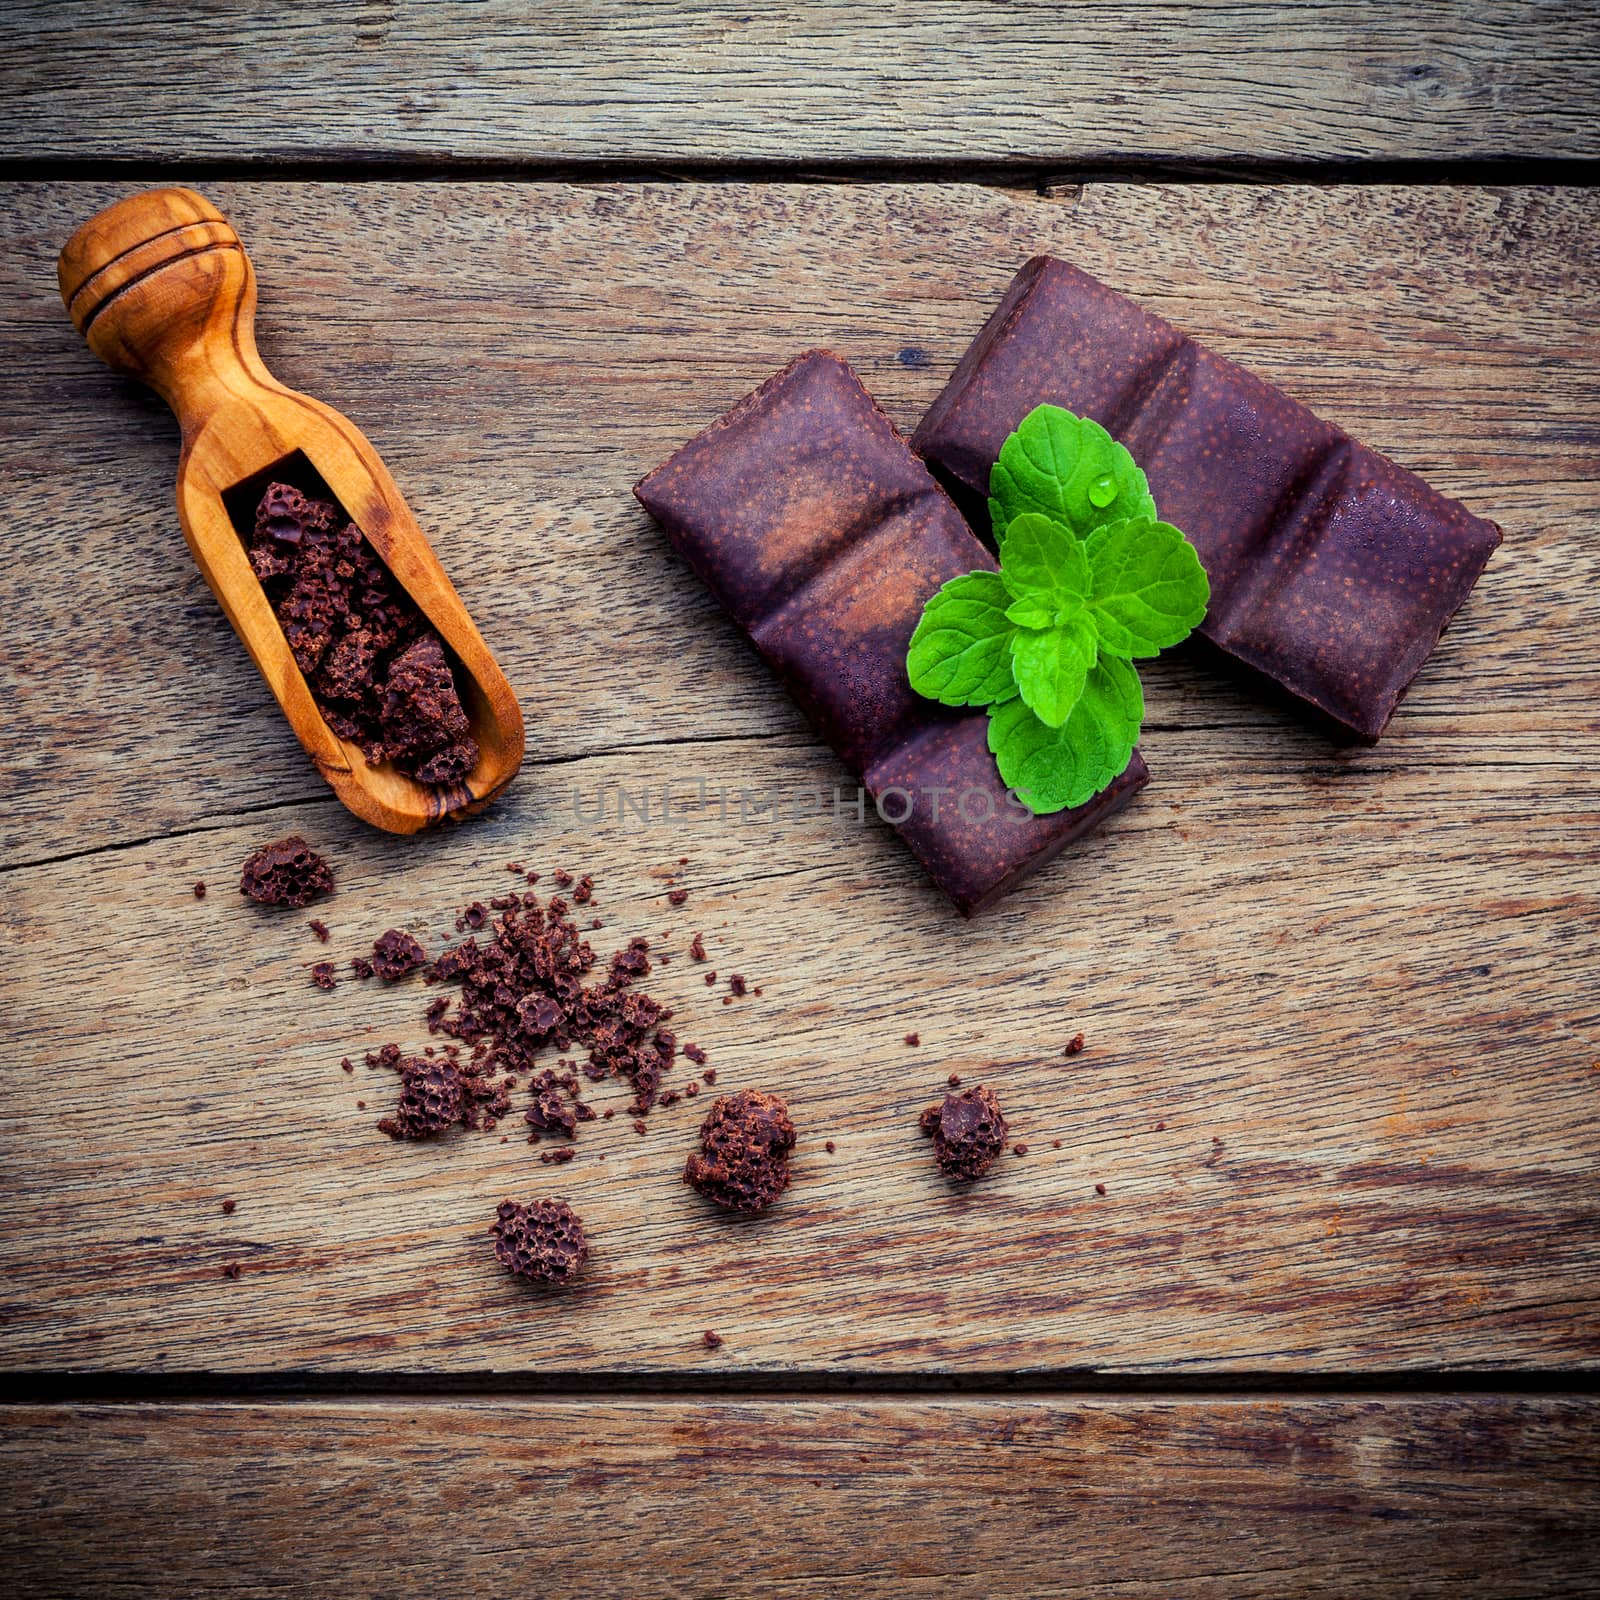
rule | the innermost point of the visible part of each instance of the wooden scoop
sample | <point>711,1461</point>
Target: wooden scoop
<point>160,286</point>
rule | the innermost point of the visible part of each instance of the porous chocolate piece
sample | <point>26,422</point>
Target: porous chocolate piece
<point>287,872</point>
<point>1333,571</point>
<point>421,716</point>
<point>377,670</point>
<point>544,1241</point>
<point>968,1132</point>
<point>396,953</point>
<point>432,1099</point>
<point>324,975</point>
<point>824,536</point>
<point>743,1162</point>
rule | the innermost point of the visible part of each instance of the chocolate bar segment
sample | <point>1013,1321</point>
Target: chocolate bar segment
<point>823,536</point>
<point>1333,571</point>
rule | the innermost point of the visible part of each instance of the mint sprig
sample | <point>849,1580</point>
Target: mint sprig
<point>1089,579</point>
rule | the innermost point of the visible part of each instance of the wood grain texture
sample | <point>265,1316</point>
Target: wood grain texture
<point>906,1500</point>
<point>1354,989</point>
<point>720,80</point>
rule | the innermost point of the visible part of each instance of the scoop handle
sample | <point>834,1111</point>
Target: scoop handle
<point>160,287</point>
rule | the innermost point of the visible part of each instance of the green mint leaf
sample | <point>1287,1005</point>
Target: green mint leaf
<point>1030,614</point>
<point>1067,468</point>
<point>1147,589</point>
<point>1052,769</point>
<point>960,654</point>
<point>1051,667</point>
<point>1044,563</point>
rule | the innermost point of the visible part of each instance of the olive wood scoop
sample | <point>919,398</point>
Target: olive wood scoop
<point>160,286</point>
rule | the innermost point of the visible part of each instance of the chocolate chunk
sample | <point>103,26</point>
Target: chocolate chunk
<point>1333,571</point>
<point>396,953</point>
<point>324,975</point>
<point>432,1099</point>
<point>743,1162</point>
<point>968,1132</point>
<point>823,536</point>
<point>697,947</point>
<point>421,712</point>
<point>544,1241</point>
<point>287,872</point>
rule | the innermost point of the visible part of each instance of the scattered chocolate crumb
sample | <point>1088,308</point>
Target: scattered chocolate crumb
<point>348,1064</point>
<point>608,1113</point>
<point>697,947</point>
<point>691,1087</point>
<point>200,890</point>
<point>556,1157</point>
<point>1055,1144</point>
<point>954,1080</point>
<point>231,1270</point>
<point>361,966</point>
<point>913,1039</point>
<point>544,1241</point>
<point>711,978</point>
<point>710,1074</point>
<point>361,1105</point>
<point>1161,1127</point>
<point>638,1125</point>
<point>1074,1045</point>
<point>287,872</point>
<point>736,983</point>
<point>829,1147</point>
<point>319,928</point>
<point>677,897</point>
<point>756,991</point>
<point>713,1339</point>
<point>1019,1149</point>
<point>563,879</point>
<point>324,976</point>
<point>583,890</point>
<point>228,1207</point>
<point>968,1132</point>
<point>683,861</point>
<point>694,1053</point>
<point>516,867</point>
<point>1099,1188</point>
<point>396,953</point>
<point>743,1162</point>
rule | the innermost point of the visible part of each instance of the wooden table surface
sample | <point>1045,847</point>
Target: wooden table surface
<point>1334,1325</point>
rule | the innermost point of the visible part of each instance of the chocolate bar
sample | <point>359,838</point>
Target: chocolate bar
<point>1333,571</point>
<point>823,537</point>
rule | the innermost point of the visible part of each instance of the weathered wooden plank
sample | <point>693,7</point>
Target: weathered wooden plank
<point>1433,1496</point>
<point>522,354</point>
<point>661,81</point>
<point>1369,974</point>
<point>1341,1090</point>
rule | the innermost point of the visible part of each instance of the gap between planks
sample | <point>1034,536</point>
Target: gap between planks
<point>1046,181</point>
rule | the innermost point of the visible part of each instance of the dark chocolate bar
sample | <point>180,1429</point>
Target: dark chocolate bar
<point>1333,571</point>
<point>823,536</point>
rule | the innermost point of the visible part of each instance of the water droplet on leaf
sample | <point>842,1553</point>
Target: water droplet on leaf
<point>1103,491</point>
